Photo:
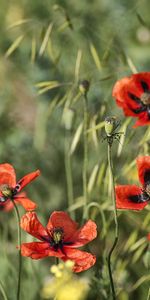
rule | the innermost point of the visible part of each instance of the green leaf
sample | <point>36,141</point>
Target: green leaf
<point>95,57</point>
<point>92,178</point>
<point>14,45</point>
<point>45,39</point>
<point>76,138</point>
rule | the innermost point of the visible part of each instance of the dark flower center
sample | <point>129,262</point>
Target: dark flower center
<point>57,235</point>
<point>143,102</point>
<point>7,192</point>
<point>141,198</point>
<point>56,239</point>
<point>147,189</point>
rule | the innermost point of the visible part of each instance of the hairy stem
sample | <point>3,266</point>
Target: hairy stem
<point>115,219</point>
<point>68,172</point>
<point>19,245</point>
<point>85,160</point>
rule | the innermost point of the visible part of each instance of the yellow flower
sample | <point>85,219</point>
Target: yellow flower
<point>64,283</point>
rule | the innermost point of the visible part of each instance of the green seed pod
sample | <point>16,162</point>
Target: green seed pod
<point>84,87</point>
<point>110,125</point>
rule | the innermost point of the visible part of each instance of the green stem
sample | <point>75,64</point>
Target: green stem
<point>19,245</point>
<point>3,291</point>
<point>56,260</point>
<point>85,161</point>
<point>148,296</point>
<point>115,219</point>
<point>68,170</point>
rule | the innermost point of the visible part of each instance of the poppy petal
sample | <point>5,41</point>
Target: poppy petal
<point>25,202</point>
<point>123,194</point>
<point>83,260</point>
<point>143,165</point>
<point>141,123</point>
<point>85,234</point>
<point>7,175</point>
<point>30,223</point>
<point>7,206</point>
<point>128,92</point>
<point>27,179</point>
<point>60,219</point>
<point>37,250</point>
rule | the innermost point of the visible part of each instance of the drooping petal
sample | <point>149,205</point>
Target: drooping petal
<point>126,196</point>
<point>60,219</point>
<point>37,250</point>
<point>143,165</point>
<point>26,180</point>
<point>31,224</point>
<point>83,260</point>
<point>7,175</point>
<point>85,234</point>
<point>7,206</point>
<point>25,202</point>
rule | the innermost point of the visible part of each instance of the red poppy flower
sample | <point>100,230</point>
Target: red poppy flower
<point>148,236</point>
<point>133,95</point>
<point>132,196</point>
<point>10,189</point>
<point>59,238</point>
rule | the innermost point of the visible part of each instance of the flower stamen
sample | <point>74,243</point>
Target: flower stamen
<point>145,98</point>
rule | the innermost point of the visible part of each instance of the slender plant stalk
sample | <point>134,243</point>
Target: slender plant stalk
<point>19,245</point>
<point>148,296</point>
<point>68,170</point>
<point>3,291</point>
<point>85,161</point>
<point>115,219</point>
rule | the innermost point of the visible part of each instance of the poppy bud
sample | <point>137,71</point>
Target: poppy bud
<point>110,125</point>
<point>84,87</point>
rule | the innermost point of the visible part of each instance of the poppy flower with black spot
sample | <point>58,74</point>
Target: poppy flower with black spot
<point>132,94</point>
<point>10,189</point>
<point>59,238</point>
<point>132,196</point>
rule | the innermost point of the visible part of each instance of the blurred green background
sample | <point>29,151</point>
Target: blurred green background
<point>46,48</point>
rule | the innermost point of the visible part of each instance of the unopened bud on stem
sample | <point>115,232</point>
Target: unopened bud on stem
<point>84,87</point>
<point>110,125</point>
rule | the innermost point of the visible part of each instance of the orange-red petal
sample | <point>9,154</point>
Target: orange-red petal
<point>37,250</point>
<point>25,202</point>
<point>85,234</point>
<point>143,165</point>
<point>123,193</point>
<point>83,260</point>
<point>123,91</point>
<point>27,179</point>
<point>7,175</point>
<point>31,224</point>
<point>7,206</point>
<point>60,219</point>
